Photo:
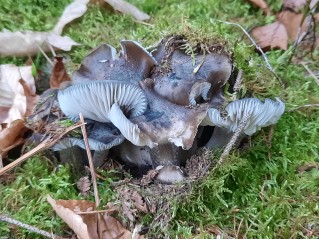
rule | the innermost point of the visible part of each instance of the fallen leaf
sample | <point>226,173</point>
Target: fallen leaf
<point>127,8</point>
<point>297,5</point>
<point>13,102</point>
<point>84,185</point>
<point>58,74</point>
<point>74,10</point>
<point>292,22</point>
<point>24,43</point>
<point>78,223</point>
<point>262,5</point>
<point>12,135</point>
<point>272,36</point>
<point>86,225</point>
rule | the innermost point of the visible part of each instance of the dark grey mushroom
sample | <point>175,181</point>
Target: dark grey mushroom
<point>101,137</point>
<point>262,114</point>
<point>168,122</point>
<point>95,99</point>
<point>133,64</point>
<point>176,84</point>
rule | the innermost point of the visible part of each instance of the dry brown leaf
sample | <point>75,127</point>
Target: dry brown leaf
<point>66,210</point>
<point>272,36</point>
<point>13,102</point>
<point>262,5</point>
<point>17,93</point>
<point>58,74</point>
<point>84,185</point>
<point>24,43</point>
<point>12,135</point>
<point>297,5</point>
<point>292,21</point>
<point>85,225</point>
<point>128,9</point>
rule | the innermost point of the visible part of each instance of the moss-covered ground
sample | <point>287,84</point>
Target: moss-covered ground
<point>255,194</point>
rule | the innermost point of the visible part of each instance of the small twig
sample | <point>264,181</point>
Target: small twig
<point>44,145</point>
<point>254,43</point>
<point>238,85</point>
<point>28,227</point>
<point>233,139</point>
<point>88,152</point>
<point>304,106</point>
<point>96,192</point>
<point>239,226</point>
<point>310,72</point>
<point>144,23</point>
<point>51,49</point>
<point>97,211</point>
<point>45,55</point>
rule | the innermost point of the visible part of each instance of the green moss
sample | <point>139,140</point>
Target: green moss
<point>261,187</point>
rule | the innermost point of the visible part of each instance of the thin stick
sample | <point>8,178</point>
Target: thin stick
<point>96,192</point>
<point>47,143</point>
<point>255,44</point>
<point>310,72</point>
<point>51,49</point>
<point>28,227</point>
<point>304,106</point>
<point>97,211</point>
<point>238,84</point>
<point>45,55</point>
<point>88,151</point>
<point>233,139</point>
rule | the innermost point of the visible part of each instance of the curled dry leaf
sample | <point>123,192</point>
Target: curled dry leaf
<point>292,22</point>
<point>86,225</point>
<point>24,43</point>
<point>17,93</point>
<point>58,74</point>
<point>12,135</point>
<point>272,36</point>
<point>127,8</point>
<point>262,5</point>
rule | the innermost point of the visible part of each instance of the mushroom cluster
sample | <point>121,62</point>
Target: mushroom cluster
<point>152,109</point>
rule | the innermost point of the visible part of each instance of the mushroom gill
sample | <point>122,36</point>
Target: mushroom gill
<point>262,114</point>
<point>95,99</point>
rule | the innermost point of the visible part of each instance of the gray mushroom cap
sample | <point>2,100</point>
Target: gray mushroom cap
<point>133,64</point>
<point>95,99</point>
<point>262,114</point>
<point>167,122</point>
<point>101,136</point>
<point>176,85</point>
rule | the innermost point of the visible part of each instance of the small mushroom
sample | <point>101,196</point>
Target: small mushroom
<point>262,114</point>
<point>95,99</point>
<point>101,137</point>
<point>133,64</point>
<point>200,88</point>
<point>179,81</point>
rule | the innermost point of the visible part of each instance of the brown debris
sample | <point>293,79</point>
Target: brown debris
<point>84,185</point>
<point>59,74</point>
